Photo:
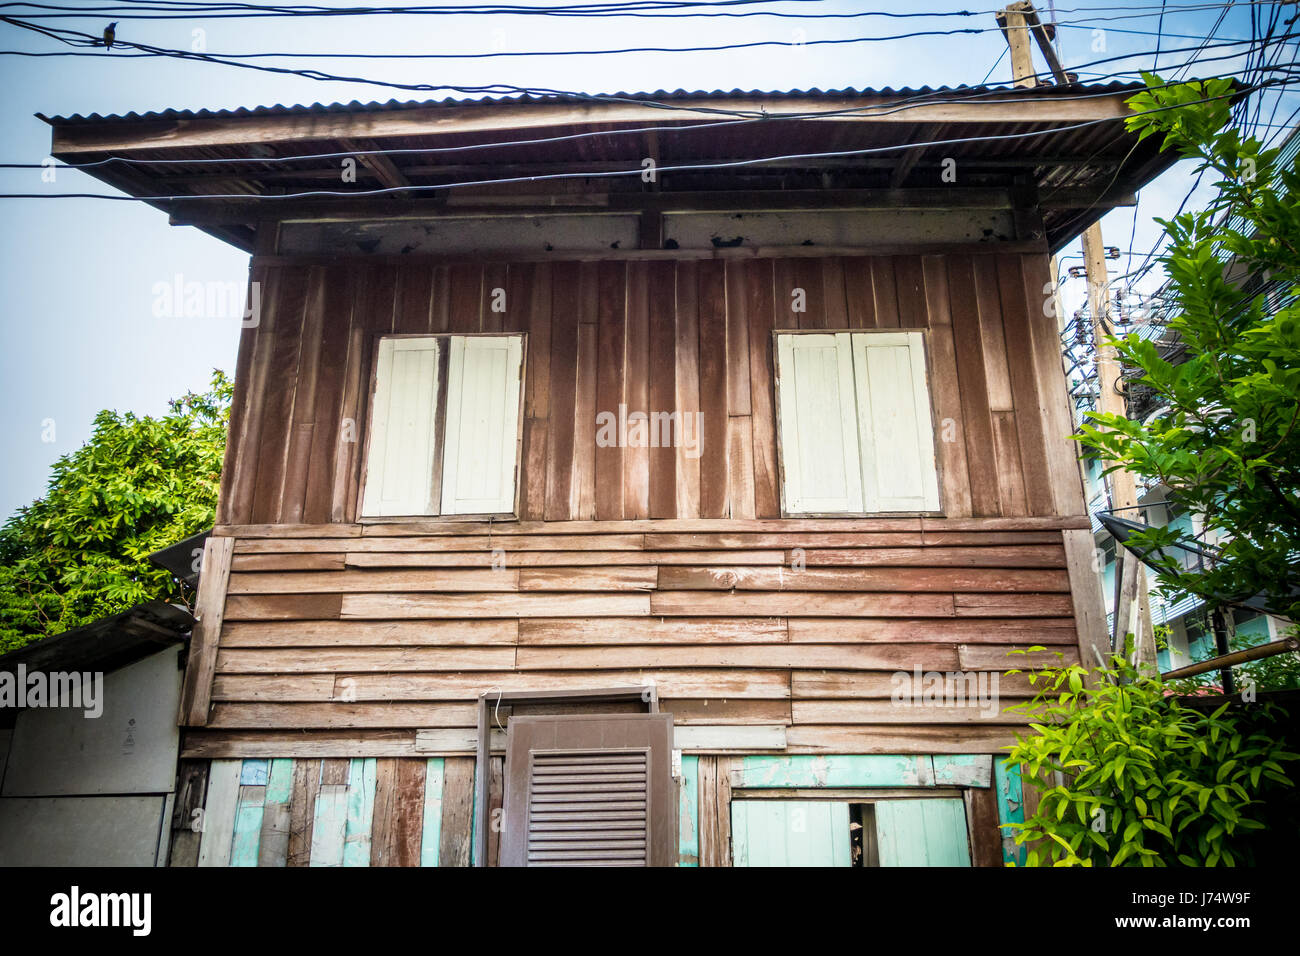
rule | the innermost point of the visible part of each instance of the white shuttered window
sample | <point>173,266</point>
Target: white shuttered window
<point>856,433</point>
<point>444,426</point>
<point>478,471</point>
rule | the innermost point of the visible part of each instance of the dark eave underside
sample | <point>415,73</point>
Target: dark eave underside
<point>1064,149</point>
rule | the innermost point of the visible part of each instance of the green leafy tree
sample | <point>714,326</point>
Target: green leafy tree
<point>1130,776</point>
<point>1279,672</point>
<point>1226,442</point>
<point>139,484</point>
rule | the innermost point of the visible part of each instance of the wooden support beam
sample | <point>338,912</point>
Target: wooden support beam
<point>205,212</point>
<point>907,162</point>
<point>1027,210</point>
<point>385,169</point>
<point>970,165</point>
<point>1287,645</point>
<point>196,692</point>
<point>1043,36</point>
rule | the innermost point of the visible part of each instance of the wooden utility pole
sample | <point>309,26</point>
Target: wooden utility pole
<point>1132,609</point>
<point>1020,23</point>
<point>1016,29</point>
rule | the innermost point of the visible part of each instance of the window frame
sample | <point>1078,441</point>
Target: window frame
<point>863,797</point>
<point>927,364</point>
<point>649,734</point>
<point>440,412</point>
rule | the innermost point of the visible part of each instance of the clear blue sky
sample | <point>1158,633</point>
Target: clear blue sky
<point>79,333</point>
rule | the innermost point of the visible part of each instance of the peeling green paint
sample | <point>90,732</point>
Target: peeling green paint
<point>362,777</point>
<point>963,770</point>
<point>688,813</point>
<point>248,825</point>
<point>1011,807</point>
<point>812,771</point>
<point>279,781</point>
<point>432,829</point>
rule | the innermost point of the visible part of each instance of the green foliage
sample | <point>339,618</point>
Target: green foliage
<point>1279,672</point>
<point>139,484</point>
<point>1129,776</point>
<point>1226,444</point>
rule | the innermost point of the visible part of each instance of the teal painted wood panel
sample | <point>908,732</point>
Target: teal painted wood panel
<point>329,828</point>
<point>254,773</point>
<point>361,810</point>
<point>1011,808</point>
<point>923,832</point>
<point>431,833</point>
<point>248,826</point>
<point>790,833</point>
<point>688,813</point>
<point>806,771</point>
<point>279,781</point>
<point>963,770</point>
<point>273,849</point>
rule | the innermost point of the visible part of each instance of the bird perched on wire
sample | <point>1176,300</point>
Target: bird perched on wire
<point>110,33</point>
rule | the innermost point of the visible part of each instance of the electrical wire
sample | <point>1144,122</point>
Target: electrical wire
<point>634,171</point>
<point>83,39</point>
<point>610,10</point>
<point>744,118</point>
<point>90,40</point>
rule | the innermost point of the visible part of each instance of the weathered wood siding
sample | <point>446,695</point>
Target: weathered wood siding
<point>418,811</point>
<point>338,639</point>
<point>653,335</point>
<point>348,645</point>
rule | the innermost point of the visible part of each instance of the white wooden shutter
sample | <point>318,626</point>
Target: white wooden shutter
<point>399,469</point>
<point>479,463</point>
<point>895,431</point>
<point>819,433</point>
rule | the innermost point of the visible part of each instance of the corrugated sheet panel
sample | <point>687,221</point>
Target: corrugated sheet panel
<point>356,106</point>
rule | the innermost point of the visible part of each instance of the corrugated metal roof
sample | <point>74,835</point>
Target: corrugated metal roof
<point>356,106</point>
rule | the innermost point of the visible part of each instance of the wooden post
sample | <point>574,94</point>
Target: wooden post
<point>1016,29</point>
<point>1123,486</point>
<point>1019,21</point>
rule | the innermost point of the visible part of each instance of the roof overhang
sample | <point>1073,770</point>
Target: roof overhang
<point>107,644</point>
<point>1061,151</point>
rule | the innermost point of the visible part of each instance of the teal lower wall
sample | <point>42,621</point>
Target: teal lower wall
<point>247,807</point>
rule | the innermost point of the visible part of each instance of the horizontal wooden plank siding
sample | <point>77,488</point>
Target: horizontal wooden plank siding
<point>354,659</point>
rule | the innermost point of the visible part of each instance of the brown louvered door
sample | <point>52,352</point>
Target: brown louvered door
<point>590,790</point>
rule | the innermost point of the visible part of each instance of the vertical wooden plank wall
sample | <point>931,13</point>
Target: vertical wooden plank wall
<point>410,812</point>
<point>653,336</point>
<point>360,812</point>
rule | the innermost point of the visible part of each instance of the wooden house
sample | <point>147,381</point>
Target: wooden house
<point>689,464</point>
